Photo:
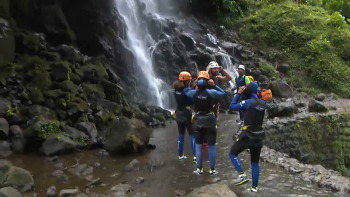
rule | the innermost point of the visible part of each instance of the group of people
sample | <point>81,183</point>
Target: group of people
<point>198,110</point>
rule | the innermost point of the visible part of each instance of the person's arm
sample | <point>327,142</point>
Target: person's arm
<point>227,77</point>
<point>244,105</point>
<point>247,81</point>
<point>217,92</point>
<point>190,93</point>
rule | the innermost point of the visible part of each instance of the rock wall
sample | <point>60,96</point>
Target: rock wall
<point>315,139</point>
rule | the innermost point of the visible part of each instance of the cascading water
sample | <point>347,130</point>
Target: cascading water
<point>138,38</point>
<point>228,65</point>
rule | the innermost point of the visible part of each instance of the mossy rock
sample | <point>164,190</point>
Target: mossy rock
<point>53,94</point>
<point>75,79</point>
<point>67,86</point>
<point>36,96</point>
<point>114,92</point>
<point>61,71</point>
<point>160,116</point>
<point>60,104</point>
<point>128,112</point>
<point>33,63</point>
<point>93,90</point>
<point>103,118</point>
<point>19,177</point>
<point>8,70</point>
<point>50,56</point>
<point>78,103</point>
<point>78,72</point>
<point>94,72</point>
<point>42,81</point>
<point>7,43</point>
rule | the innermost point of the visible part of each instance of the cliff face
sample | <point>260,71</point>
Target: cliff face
<point>319,139</point>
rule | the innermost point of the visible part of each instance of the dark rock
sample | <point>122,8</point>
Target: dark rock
<point>74,133</point>
<point>187,41</point>
<point>120,190</point>
<point>18,140</point>
<point>94,183</point>
<point>36,96</point>
<point>81,170</point>
<point>5,106</point>
<point>281,89</point>
<point>4,129</point>
<point>300,104</point>
<point>316,106</point>
<point>320,97</point>
<point>134,165</point>
<point>20,178</point>
<point>55,144</point>
<point>88,128</point>
<point>282,110</point>
<point>5,149</point>
<point>283,68</point>
<point>102,153</point>
<point>7,43</point>
<point>130,134</point>
<point>38,110</point>
<point>61,71</point>
<point>60,176</point>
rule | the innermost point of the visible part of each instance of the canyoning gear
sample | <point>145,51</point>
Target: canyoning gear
<point>213,172</point>
<point>182,115</point>
<point>185,76</point>
<point>194,159</point>
<point>265,95</point>
<point>241,67</point>
<point>203,74</point>
<point>204,120</point>
<point>252,132</point>
<point>241,81</point>
<point>198,171</point>
<point>213,64</point>
<point>182,157</point>
<point>242,178</point>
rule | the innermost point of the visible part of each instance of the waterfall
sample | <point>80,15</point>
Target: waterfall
<point>138,39</point>
<point>228,65</point>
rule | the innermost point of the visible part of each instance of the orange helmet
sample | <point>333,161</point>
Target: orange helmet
<point>203,74</point>
<point>184,76</point>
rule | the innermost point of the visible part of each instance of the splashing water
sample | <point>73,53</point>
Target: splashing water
<point>138,39</point>
<point>231,69</point>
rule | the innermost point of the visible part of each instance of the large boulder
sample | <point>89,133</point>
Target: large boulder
<point>281,89</point>
<point>126,135</point>
<point>214,190</point>
<point>9,192</point>
<point>18,140</point>
<point>56,144</point>
<point>37,110</point>
<point>283,109</point>
<point>5,149</point>
<point>19,178</point>
<point>4,129</point>
<point>317,106</point>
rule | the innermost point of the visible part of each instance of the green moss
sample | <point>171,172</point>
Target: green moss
<point>312,43</point>
<point>53,94</point>
<point>77,102</point>
<point>267,69</point>
<point>67,86</point>
<point>10,110</point>
<point>36,95</point>
<point>50,56</point>
<point>93,91</point>
<point>42,81</point>
<point>96,71</point>
<point>51,128</point>
<point>81,140</point>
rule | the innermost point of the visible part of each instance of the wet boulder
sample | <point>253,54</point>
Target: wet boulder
<point>317,106</point>
<point>51,191</point>
<point>214,190</point>
<point>70,53</point>
<point>56,144</point>
<point>81,170</point>
<point>74,133</point>
<point>126,135</point>
<point>5,166</point>
<point>120,190</point>
<point>4,129</point>
<point>232,49</point>
<point>18,140</point>
<point>9,192</point>
<point>187,41</point>
<point>20,178</point>
<point>38,110</point>
<point>283,109</point>
<point>134,165</point>
<point>5,149</point>
<point>88,128</point>
<point>281,89</point>
<point>320,97</point>
<point>61,71</point>
<point>69,193</point>
<point>283,68</point>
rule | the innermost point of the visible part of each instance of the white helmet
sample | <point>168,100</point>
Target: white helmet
<point>241,67</point>
<point>213,64</point>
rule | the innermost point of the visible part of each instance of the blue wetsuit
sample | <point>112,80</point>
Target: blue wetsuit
<point>252,131</point>
<point>204,121</point>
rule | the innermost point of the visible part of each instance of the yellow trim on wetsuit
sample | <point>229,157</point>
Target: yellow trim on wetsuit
<point>244,128</point>
<point>193,114</point>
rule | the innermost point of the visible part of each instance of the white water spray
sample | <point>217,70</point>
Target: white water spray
<point>231,69</point>
<point>138,40</point>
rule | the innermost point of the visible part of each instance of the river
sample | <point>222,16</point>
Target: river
<point>174,175</point>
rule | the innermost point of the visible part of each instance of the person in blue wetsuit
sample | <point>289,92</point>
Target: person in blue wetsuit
<point>252,132</point>
<point>240,81</point>
<point>183,113</point>
<point>204,120</point>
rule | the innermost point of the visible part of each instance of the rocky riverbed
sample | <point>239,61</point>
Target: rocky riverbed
<point>159,173</point>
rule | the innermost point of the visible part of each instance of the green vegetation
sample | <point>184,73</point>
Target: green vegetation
<point>311,37</point>
<point>51,128</point>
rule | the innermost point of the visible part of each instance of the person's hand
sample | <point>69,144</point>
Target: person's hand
<point>195,83</point>
<point>211,82</point>
<point>241,89</point>
<point>221,68</point>
<point>208,68</point>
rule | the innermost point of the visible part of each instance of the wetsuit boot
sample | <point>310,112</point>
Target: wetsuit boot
<point>242,177</point>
